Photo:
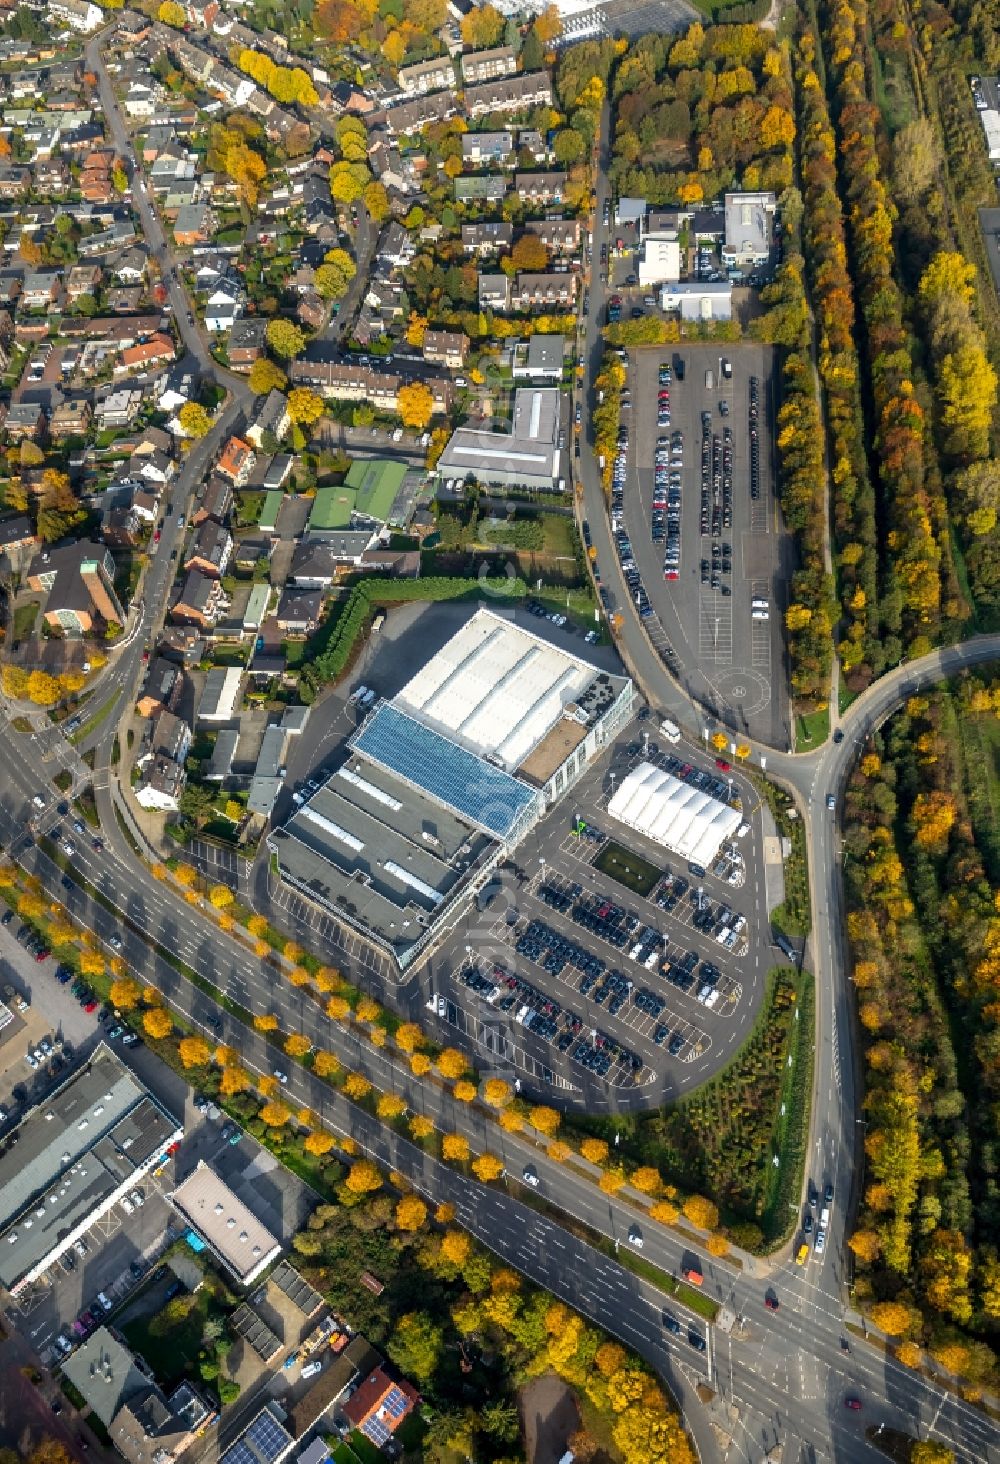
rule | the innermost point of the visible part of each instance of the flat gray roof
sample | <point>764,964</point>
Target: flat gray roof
<point>373,844</point>
<point>73,1152</point>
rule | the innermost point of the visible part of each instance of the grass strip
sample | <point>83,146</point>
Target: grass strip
<point>101,715</point>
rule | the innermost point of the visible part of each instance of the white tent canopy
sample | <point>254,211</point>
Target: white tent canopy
<point>681,818</point>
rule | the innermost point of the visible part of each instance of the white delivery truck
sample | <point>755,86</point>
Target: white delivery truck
<point>670,730</point>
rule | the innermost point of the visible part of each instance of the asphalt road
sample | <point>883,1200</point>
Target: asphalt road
<point>786,1374</point>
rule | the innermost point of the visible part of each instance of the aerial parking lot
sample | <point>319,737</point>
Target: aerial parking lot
<point>697,512</point>
<point>607,966</point>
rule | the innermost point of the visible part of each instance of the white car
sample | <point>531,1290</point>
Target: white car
<point>635,1237</point>
<point>311,1369</point>
<point>126,1204</point>
<point>530,1176</point>
<point>831,802</point>
<point>820,1243</point>
<point>138,1198</point>
<point>281,1077</point>
<point>105,1301</point>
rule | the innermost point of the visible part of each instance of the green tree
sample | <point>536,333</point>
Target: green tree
<point>285,339</point>
<point>416,1346</point>
<point>194,419</point>
<point>266,376</point>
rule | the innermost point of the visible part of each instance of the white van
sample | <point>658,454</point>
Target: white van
<point>759,615</point>
<point>670,730</point>
<point>709,381</point>
<point>759,602</point>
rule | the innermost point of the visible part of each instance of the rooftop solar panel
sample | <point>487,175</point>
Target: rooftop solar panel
<point>267,1438</point>
<point>475,789</point>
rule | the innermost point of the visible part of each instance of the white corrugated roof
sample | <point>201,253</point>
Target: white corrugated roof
<point>496,688</point>
<point>681,818</point>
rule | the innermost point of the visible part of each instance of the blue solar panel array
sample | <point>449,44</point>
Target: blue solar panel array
<point>263,1442</point>
<point>454,776</point>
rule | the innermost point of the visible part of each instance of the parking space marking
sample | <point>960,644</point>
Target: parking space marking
<point>715,627</point>
<point>696,1040</point>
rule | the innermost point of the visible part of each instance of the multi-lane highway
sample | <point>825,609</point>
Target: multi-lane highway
<point>783,1376</point>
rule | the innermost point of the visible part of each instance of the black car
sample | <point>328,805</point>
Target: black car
<point>696,1340</point>
<point>672,1324</point>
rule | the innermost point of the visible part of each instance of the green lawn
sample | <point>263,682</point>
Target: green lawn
<point>173,1352</point>
<point>560,534</point>
<point>24,620</point>
<point>812,729</point>
<point>629,869</point>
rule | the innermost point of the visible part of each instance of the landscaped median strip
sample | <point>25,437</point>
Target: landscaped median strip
<point>538,1125</point>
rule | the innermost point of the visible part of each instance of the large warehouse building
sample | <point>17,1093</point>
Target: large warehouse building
<point>442,781</point>
<point>75,1156</point>
<point>525,457</point>
<point>681,818</point>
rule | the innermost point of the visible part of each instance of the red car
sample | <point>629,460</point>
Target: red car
<point>156,537</point>
<point>853,1403</point>
<point>722,765</point>
<point>90,1006</point>
<point>771,1302</point>
<point>42,955</point>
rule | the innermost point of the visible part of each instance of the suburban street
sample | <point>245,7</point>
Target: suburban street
<point>779,1376</point>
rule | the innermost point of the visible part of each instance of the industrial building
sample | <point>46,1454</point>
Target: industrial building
<point>526,457</point>
<point>699,300</point>
<point>683,819</point>
<point>233,1234</point>
<point>442,781</point>
<point>74,1157</point>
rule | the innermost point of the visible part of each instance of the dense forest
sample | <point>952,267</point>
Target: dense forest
<point>922,869</point>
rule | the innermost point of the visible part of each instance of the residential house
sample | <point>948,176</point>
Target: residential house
<point>118,408</point>
<point>83,279</point>
<point>247,341</point>
<point>489,188</point>
<point>194,224</point>
<point>539,359</point>
<point>494,292</point>
<point>120,527</point>
<point>79,15</point>
<point>362,384</point>
<point>510,94</point>
<point>202,13</point>
<point>202,601</point>
<point>412,116</point>
<point>40,289</point>
<point>181,643</point>
<point>480,66</point>
<point>161,785</point>
<point>488,238</point>
<point>158,350</point>
<point>251,551</point>
<point>445,348</point>
<point>180,383</point>
<point>487,149</point>
<point>123,299</point>
<point>311,311</point>
<point>427,76</point>
<point>15,181</point>
<point>17,536</point>
<point>162,688</point>
<point>79,578</point>
<point>236,461</point>
<point>72,418</point>
<point>531,144</point>
<point>24,421</point>
<point>540,189</point>
<point>216,502</point>
<point>379,1405</point>
<point>560,236</point>
<point>52,177</point>
<point>299,611</point>
<point>152,1427</point>
<point>211,549</point>
<point>225,304</point>
<point>395,247</point>
<point>271,417</point>
<point>140,101</point>
<point>544,291</point>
